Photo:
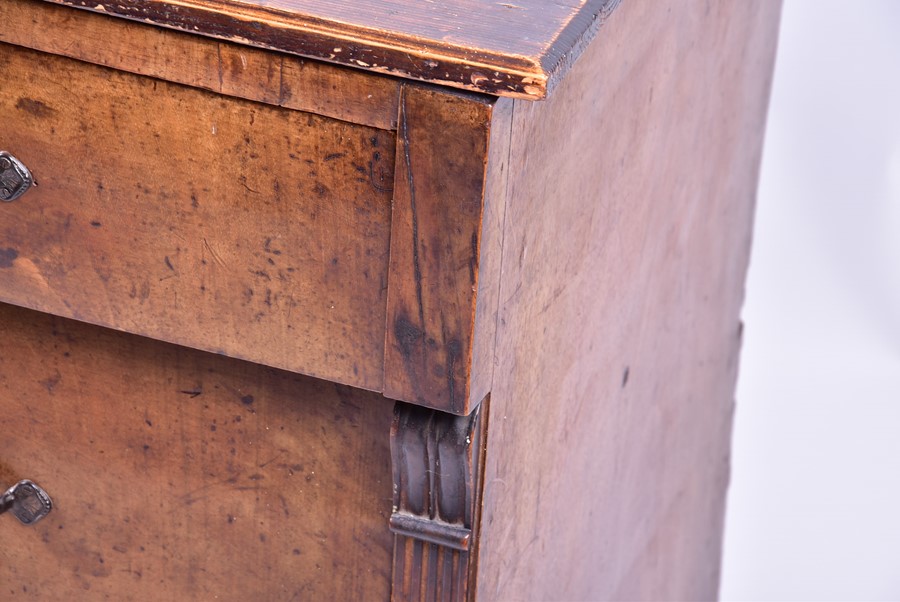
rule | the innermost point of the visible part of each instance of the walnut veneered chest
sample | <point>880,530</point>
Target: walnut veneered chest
<point>359,301</point>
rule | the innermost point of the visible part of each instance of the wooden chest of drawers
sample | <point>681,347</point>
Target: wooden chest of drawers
<point>330,302</point>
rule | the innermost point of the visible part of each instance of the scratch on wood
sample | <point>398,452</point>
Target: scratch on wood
<point>417,270</point>
<point>454,350</point>
<point>281,82</point>
<point>377,181</point>
<point>212,252</point>
<point>473,259</point>
<point>242,180</point>
<point>219,60</point>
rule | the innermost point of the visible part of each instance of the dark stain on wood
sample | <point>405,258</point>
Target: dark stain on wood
<point>442,145</point>
<point>35,107</point>
<point>7,256</point>
<point>408,335</point>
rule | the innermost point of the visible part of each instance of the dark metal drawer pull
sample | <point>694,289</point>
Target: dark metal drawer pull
<point>15,179</point>
<point>27,501</point>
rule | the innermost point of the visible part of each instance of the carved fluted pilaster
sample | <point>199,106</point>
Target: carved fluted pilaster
<point>437,489</point>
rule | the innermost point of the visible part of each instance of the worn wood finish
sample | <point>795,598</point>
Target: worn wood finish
<point>437,464</point>
<point>578,263</point>
<point>220,224</point>
<point>520,48</point>
<point>230,69</point>
<point>439,223</point>
<point>625,249</point>
<point>487,298</point>
<point>180,475</point>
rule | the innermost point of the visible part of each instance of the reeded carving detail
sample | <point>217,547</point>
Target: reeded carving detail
<point>437,488</point>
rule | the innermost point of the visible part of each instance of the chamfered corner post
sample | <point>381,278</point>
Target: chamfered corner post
<point>446,228</point>
<point>442,296</point>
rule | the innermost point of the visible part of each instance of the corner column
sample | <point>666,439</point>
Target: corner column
<point>437,472</point>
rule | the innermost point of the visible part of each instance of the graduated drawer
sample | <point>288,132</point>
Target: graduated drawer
<point>213,222</point>
<point>180,475</point>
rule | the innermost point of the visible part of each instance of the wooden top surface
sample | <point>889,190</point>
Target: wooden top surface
<point>515,48</point>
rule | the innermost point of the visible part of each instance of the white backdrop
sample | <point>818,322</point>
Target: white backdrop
<point>814,505</point>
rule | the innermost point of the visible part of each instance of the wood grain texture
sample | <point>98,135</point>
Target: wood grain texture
<point>625,249</point>
<point>215,223</point>
<point>437,464</point>
<point>181,475</point>
<point>439,223</point>
<point>520,48</point>
<point>487,298</point>
<point>230,69</point>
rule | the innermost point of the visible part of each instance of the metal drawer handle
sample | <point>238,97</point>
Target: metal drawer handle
<point>27,501</point>
<point>15,179</point>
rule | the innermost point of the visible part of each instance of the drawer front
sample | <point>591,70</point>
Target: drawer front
<point>212,222</point>
<point>182,475</point>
